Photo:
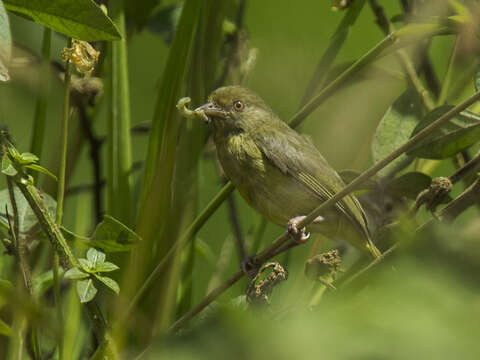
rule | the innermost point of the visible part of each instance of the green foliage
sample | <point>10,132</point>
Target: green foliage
<point>456,135</point>
<point>110,235</point>
<point>27,219</point>
<point>90,268</point>
<point>345,72</point>
<point>396,127</point>
<point>5,44</point>
<point>79,19</point>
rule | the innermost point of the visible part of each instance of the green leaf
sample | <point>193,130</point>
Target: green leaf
<point>457,134</point>
<point>86,265</point>
<point>79,19</point>
<point>26,158</point>
<point>5,329</point>
<point>86,290</point>
<point>41,169</point>
<point>75,273</point>
<point>5,44</point>
<point>106,267</point>
<point>110,283</point>
<point>111,235</point>
<point>7,166</point>
<point>27,219</point>
<point>95,257</point>
<point>395,129</point>
<point>409,185</point>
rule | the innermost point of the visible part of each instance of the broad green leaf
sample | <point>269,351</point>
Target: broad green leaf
<point>5,329</point>
<point>79,19</point>
<point>86,290</point>
<point>86,264</point>
<point>7,166</point>
<point>44,281</point>
<point>457,134</point>
<point>111,235</point>
<point>110,283</point>
<point>95,257</point>
<point>75,273</point>
<point>106,267</point>
<point>396,127</point>
<point>5,44</point>
<point>409,185</point>
<point>27,219</point>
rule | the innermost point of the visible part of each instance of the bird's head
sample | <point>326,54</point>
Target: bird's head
<point>235,108</point>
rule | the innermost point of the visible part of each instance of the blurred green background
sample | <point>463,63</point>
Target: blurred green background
<point>415,306</point>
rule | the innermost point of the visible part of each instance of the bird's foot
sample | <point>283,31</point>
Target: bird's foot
<point>299,235</point>
<point>249,266</point>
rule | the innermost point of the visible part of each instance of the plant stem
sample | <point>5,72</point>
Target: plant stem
<point>335,44</point>
<point>318,99</point>
<point>61,193</point>
<point>64,139</point>
<point>20,253</point>
<point>119,142</point>
<point>281,240</point>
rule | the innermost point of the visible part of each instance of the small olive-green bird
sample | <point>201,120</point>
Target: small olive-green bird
<point>279,172</point>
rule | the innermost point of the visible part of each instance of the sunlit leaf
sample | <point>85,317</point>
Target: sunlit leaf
<point>75,273</point>
<point>457,134</point>
<point>86,290</point>
<point>86,264</point>
<point>396,127</point>
<point>95,257</point>
<point>106,267</point>
<point>110,283</point>
<point>79,19</point>
<point>5,44</point>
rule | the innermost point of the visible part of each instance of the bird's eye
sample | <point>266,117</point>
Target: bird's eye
<point>238,105</point>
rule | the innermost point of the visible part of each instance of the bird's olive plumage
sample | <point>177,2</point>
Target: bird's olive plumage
<point>278,171</point>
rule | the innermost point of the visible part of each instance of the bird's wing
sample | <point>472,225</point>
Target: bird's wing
<point>296,156</point>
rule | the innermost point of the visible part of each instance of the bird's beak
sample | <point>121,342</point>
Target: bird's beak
<point>212,110</point>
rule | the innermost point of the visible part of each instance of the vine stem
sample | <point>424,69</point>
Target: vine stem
<point>264,255</point>
<point>61,194</point>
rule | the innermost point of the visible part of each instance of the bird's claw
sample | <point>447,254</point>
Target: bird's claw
<point>299,235</point>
